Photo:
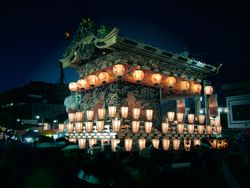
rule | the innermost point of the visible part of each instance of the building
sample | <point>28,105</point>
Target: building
<point>33,104</point>
<point>125,80</point>
<point>237,97</point>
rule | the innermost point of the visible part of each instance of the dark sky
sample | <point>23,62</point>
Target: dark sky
<point>32,34</point>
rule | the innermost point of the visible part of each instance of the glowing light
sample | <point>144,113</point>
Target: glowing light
<point>118,70</point>
<point>156,78</point>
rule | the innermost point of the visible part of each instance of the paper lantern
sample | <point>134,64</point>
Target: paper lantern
<point>141,143</point>
<point>99,126</point>
<point>149,114</point>
<point>176,144</point>
<point>118,70</point>
<point>82,84</point>
<point>114,143</point>
<point>208,129</point>
<point>197,88</point>
<point>170,81</point>
<point>208,90</point>
<point>197,142</point>
<point>136,113</point>
<point>179,117</point>
<point>201,119</point>
<point>180,128</point>
<point>92,80</point>
<point>128,144</point>
<point>82,143</point>
<point>164,127</point>
<point>112,111</point>
<point>103,77</point>
<point>73,86</point>
<point>187,144</point>
<point>90,115</point>
<point>124,111</point>
<point>191,118</point>
<point>101,113</point>
<point>165,143</point>
<point>190,128</point>
<point>156,78</point>
<point>155,143</point>
<point>79,116</point>
<point>70,127</point>
<point>92,141</point>
<point>138,75</point>
<point>218,129</point>
<point>184,85</point>
<point>89,126</point>
<point>200,129</point>
<point>78,127</point>
<point>116,124</point>
<point>170,116</point>
<point>61,127</point>
<point>72,117</point>
<point>148,126</point>
<point>135,126</point>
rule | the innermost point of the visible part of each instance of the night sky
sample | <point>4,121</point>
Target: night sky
<point>33,34</point>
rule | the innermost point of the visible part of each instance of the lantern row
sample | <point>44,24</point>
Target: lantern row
<point>141,143</point>
<point>138,76</point>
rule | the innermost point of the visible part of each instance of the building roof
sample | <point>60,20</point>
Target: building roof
<point>91,51</point>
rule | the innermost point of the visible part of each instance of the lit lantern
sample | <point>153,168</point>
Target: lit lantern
<point>141,143</point>
<point>114,143</point>
<point>225,143</point>
<point>90,115</point>
<point>219,144</point>
<point>82,143</point>
<point>208,129</point>
<point>213,143</point>
<point>165,143</point>
<point>170,116</point>
<point>148,126</point>
<point>138,75</point>
<point>156,78</point>
<point>164,127</point>
<point>180,128</point>
<point>136,113</point>
<point>208,90</point>
<point>155,143</point>
<point>218,129</point>
<point>200,129</point>
<point>72,117</point>
<point>89,126</point>
<point>61,127</point>
<point>99,126</point>
<point>104,142</point>
<point>197,88</point>
<point>187,144</point>
<point>78,127</point>
<point>118,70</point>
<point>112,111</point>
<point>92,141</point>
<point>176,144</point>
<point>128,144</point>
<point>124,111</point>
<point>104,77</point>
<point>171,81</point>
<point>201,119</point>
<point>135,126</point>
<point>73,86</point>
<point>73,140</point>
<point>179,117</point>
<point>197,142</point>
<point>101,113</point>
<point>190,128</point>
<point>79,116</point>
<point>191,118</point>
<point>82,84</point>
<point>184,85</point>
<point>149,114</point>
<point>116,124</point>
<point>70,127</point>
<point>92,80</point>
